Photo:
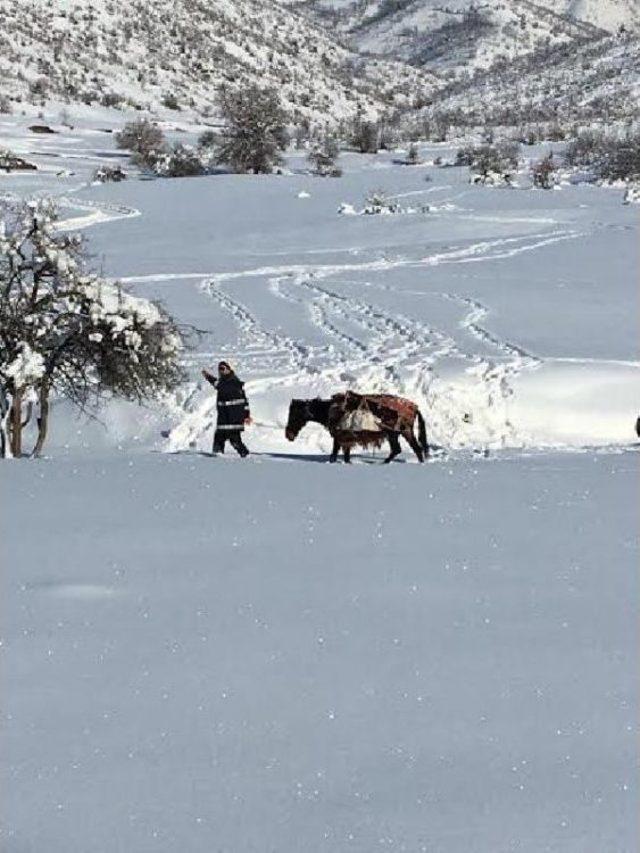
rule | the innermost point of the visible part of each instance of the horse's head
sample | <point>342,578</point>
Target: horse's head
<point>298,417</point>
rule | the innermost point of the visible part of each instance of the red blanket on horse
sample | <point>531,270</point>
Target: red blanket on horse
<point>363,418</point>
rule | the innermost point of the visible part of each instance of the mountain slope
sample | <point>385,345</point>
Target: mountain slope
<point>606,14</point>
<point>594,83</point>
<point>137,52</point>
<point>458,36</point>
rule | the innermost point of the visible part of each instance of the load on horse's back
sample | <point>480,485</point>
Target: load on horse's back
<point>362,419</point>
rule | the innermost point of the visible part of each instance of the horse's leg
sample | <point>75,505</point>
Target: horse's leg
<point>394,447</point>
<point>334,451</point>
<point>413,442</point>
<point>346,452</point>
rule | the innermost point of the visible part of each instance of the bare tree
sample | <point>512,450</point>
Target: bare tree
<point>68,332</point>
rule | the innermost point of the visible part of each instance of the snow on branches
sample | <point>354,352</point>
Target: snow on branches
<point>66,331</point>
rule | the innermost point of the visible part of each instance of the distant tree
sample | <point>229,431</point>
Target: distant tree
<point>208,139</point>
<point>542,173</point>
<point>485,161</point>
<point>255,130</point>
<point>611,158</point>
<point>65,331</point>
<point>413,155</point>
<point>323,157</point>
<point>170,101</point>
<point>366,136</point>
<point>144,140</point>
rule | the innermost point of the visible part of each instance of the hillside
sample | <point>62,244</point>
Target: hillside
<point>596,82</point>
<point>607,14</point>
<point>458,36</point>
<point>179,52</point>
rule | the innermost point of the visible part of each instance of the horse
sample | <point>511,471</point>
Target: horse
<point>362,419</point>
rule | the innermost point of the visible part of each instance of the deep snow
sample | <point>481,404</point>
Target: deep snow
<point>281,655</point>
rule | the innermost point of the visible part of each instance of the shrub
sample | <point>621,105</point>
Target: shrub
<point>180,161</point>
<point>109,174</point>
<point>611,158</point>
<point>208,139</point>
<point>10,162</point>
<point>413,155</point>
<point>323,157</point>
<point>111,99</point>
<point>542,173</point>
<point>170,101</point>
<point>144,140</point>
<point>378,202</point>
<point>500,159</point>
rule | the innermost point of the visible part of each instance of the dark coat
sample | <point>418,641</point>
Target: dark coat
<point>233,406</point>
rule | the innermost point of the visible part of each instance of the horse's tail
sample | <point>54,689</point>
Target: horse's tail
<point>422,433</point>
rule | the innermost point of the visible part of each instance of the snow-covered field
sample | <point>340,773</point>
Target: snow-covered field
<point>277,655</point>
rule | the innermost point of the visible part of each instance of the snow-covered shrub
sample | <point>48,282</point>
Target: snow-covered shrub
<point>491,179</point>
<point>323,157</point>
<point>378,202</point>
<point>542,173</point>
<point>180,161</point>
<point>5,105</point>
<point>255,132</point>
<point>347,209</point>
<point>609,157</point>
<point>65,331</point>
<point>144,140</point>
<point>10,162</point>
<point>632,194</point>
<point>109,174</point>
<point>493,165</point>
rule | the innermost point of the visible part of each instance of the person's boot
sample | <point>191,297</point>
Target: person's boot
<point>240,447</point>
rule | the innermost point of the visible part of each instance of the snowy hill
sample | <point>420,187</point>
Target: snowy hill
<point>607,14</point>
<point>459,35</point>
<point>595,82</point>
<point>178,53</point>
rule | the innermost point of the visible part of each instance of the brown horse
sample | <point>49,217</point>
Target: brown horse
<point>362,419</point>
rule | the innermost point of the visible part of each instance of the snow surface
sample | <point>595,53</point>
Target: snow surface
<point>280,655</point>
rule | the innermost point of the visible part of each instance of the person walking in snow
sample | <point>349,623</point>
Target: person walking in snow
<point>233,409</point>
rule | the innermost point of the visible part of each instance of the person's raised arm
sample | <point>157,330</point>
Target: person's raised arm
<point>210,377</point>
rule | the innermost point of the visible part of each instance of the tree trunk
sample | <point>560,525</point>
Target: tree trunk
<point>16,425</point>
<point>43,419</point>
<point>5,428</point>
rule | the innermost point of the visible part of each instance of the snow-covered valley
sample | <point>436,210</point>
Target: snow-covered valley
<point>281,655</point>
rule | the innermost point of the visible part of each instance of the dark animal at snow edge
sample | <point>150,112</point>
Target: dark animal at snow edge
<point>362,419</point>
